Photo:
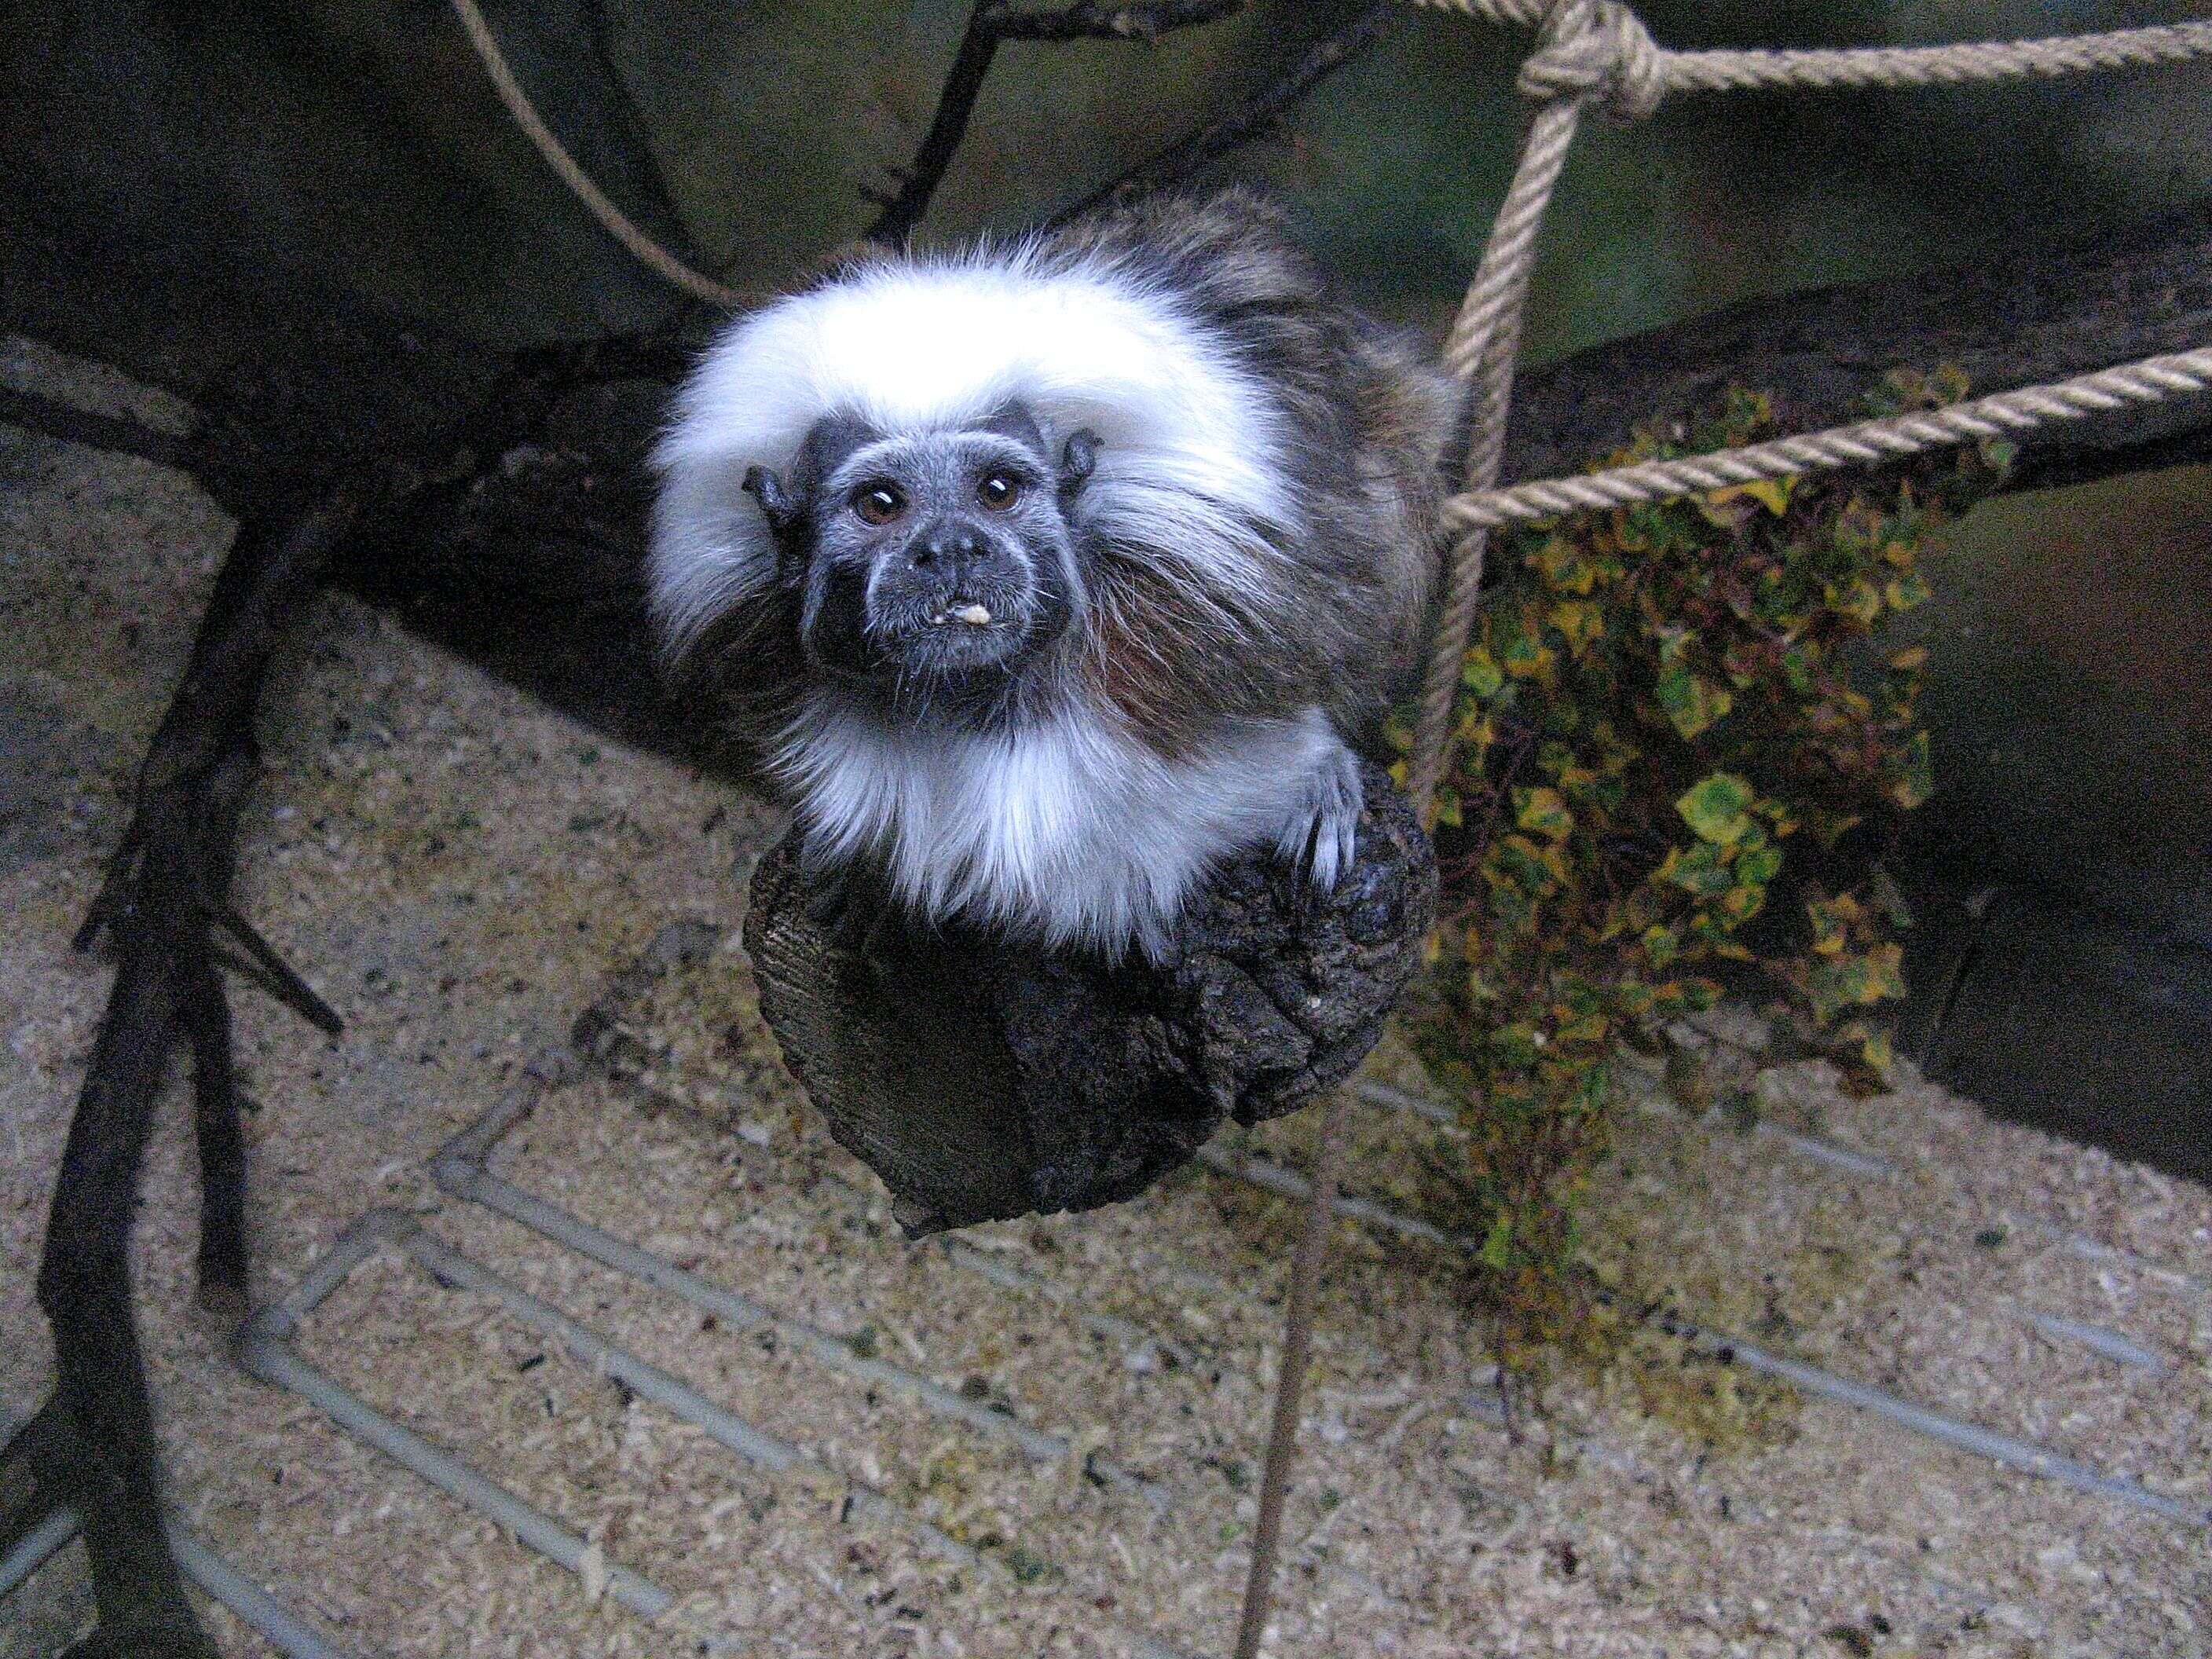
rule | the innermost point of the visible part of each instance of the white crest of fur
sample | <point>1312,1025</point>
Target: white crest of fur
<point>1066,830</point>
<point>1186,437</point>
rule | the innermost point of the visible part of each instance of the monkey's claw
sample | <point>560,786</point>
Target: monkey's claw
<point>1322,833</point>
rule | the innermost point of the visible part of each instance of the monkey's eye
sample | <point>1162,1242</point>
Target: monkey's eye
<point>879,503</point>
<point>999,491</point>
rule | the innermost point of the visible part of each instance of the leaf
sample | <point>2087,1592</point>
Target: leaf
<point>1905,592</point>
<point>1740,904</point>
<point>1912,779</point>
<point>1717,808</point>
<point>1589,1027</point>
<point>1519,1044</point>
<point>1543,812</point>
<point>1772,494</point>
<point>1700,870</point>
<point>1879,1055</point>
<point>1828,827</point>
<point>1800,661</point>
<point>1843,981</point>
<point>1520,863</point>
<point>1832,920</point>
<point>1720,508</point>
<point>1481,673</point>
<point>1477,730</point>
<point>1581,624</point>
<point>1691,702</point>
<point>1886,973</point>
<point>1759,866</point>
<point>1497,1251</point>
<point>1861,602</point>
<point>1563,567</point>
<point>1527,658</point>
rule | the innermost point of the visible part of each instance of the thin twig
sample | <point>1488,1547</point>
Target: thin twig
<point>956,103</point>
<point>274,974</point>
<point>93,1448</point>
<point>1169,167</point>
<point>1098,22</point>
<point>989,24</point>
<point>55,419</point>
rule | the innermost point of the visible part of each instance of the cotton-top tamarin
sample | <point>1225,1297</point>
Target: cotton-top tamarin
<point>1049,573</point>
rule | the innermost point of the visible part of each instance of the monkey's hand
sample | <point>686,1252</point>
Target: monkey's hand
<point>851,900</point>
<point>1321,828</point>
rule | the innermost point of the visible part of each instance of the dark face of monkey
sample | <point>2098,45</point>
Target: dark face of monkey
<point>938,564</point>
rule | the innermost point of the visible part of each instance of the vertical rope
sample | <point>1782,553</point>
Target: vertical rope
<point>1291,1377</point>
<point>1586,47</point>
<point>1571,64</point>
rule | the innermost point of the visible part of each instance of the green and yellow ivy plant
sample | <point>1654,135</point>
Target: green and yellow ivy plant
<point>1664,708</point>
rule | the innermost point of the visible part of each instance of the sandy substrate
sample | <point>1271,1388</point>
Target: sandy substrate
<point>1041,1437</point>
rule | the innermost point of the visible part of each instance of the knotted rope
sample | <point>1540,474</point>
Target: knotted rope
<point>1597,52</point>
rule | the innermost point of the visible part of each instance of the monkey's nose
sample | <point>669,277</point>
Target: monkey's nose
<point>952,549</point>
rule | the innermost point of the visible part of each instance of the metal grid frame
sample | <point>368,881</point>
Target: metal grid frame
<point>462,1169</point>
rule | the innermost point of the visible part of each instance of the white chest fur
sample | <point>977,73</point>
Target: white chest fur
<point>1066,830</point>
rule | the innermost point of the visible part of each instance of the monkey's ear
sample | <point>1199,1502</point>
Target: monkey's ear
<point>765,487</point>
<point>1077,460</point>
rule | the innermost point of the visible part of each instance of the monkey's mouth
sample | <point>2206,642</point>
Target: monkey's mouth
<point>958,633</point>
<point>941,637</point>
<point>898,630</point>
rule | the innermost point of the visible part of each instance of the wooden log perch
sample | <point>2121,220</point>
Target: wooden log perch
<point>2041,314</point>
<point>981,1080</point>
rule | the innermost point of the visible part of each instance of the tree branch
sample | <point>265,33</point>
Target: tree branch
<point>55,419</point>
<point>180,846</point>
<point>990,23</point>
<point>2038,314</point>
<point>165,905</point>
<point>1169,167</point>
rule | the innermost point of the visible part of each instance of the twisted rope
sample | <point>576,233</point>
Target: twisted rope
<point>1291,1377</point>
<point>1647,63</point>
<point>1865,443</point>
<point>1598,50</point>
<point>1586,49</point>
<point>611,218</point>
